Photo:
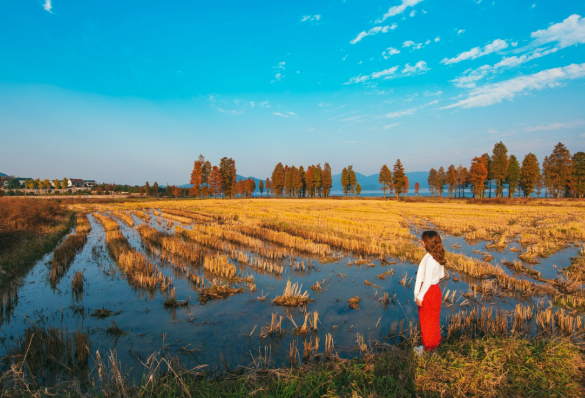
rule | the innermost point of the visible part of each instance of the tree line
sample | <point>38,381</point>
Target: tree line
<point>395,181</point>
<point>295,182</point>
<point>561,175</point>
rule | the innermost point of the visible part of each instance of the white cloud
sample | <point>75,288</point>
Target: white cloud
<point>389,52</point>
<point>309,18</point>
<point>375,75</point>
<point>533,6</point>
<point>417,46</point>
<point>410,43</point>
<point>495,93</point>
<point>405,112</point>
<point>412,13</point>
<point>471,76</point>
<point>476,52</point>
<point>279,69</point>
<point>389,126</point>
<point>230,112</point>
<point>373,31</point>
<point>567,33</point>
<point>419,67</point>
<point>427,94</point>
<point>48,6</point>
<point>460,32</point>
<point>399,9</point>
<point>555,126</point>
<point>286,114</point>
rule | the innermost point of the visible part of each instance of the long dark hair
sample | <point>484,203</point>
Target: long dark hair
<point>434,245</point>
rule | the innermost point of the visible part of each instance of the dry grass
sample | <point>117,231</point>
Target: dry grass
<point>29,228</point>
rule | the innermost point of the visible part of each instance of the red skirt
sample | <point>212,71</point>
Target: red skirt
<point>429,315</point>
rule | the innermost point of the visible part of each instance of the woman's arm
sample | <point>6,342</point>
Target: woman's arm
<point>419,276</point>
<point>428,277</point>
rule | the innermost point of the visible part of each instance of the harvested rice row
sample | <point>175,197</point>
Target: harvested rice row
<point>124,216</point>
<point>198,236</point>
<point>193,215</point>
<point>142,215</point>
<point>64,254</point>
<point>172,244</point>
<point>108,223</point>
<point>139,272</point>
<point>181,219</point>
<point>287,240</point>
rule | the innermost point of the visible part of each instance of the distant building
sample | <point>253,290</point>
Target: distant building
<point>89,183</point>
<point>4,181</point>
<point>75,182</point>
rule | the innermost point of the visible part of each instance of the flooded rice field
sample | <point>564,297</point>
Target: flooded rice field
<point>206,288</point>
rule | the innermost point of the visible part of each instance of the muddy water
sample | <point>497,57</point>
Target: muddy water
<point>220,331</point>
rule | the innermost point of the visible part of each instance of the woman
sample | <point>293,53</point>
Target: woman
<point>427,292</point>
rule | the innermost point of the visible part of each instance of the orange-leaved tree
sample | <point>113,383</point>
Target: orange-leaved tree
<point>477,176</point>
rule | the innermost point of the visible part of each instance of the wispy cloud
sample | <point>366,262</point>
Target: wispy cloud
<point>460,32</point>
<point>507,90</point>
<point>229,112</point>
<point>417,69</point>
<point>471,76</point>
<point>417,46</point>
<point>436,93</point>
<point>389,52</point>
<point>567,33</point>
<point>411,44</point>
<point>404,112</point>
<point>279,69</point>
<point>476,52</point>
<point>286,114</point>
<point>376,75</point>
<point>555,126</point>
<point>310,18</point>
<point>563,34</point>
<point>389,126</point>
<point>375,30</point>
<point>399,9</point>
<point>48,6</point>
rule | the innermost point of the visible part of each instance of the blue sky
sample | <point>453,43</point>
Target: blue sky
<point>129,91</point>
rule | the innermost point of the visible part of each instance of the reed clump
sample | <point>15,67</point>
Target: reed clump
<point>293,296</point>
<point>8,302</point>
<point>217,290</point>
<point>46,350</point>
<point>171,301</point>
<point>77,283</point>
<point>274,328</point>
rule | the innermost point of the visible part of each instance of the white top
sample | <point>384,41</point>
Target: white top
<point>429,273</point>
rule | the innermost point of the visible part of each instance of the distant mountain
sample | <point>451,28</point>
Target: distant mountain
<point>4,175</point>
<point>370,183</point>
